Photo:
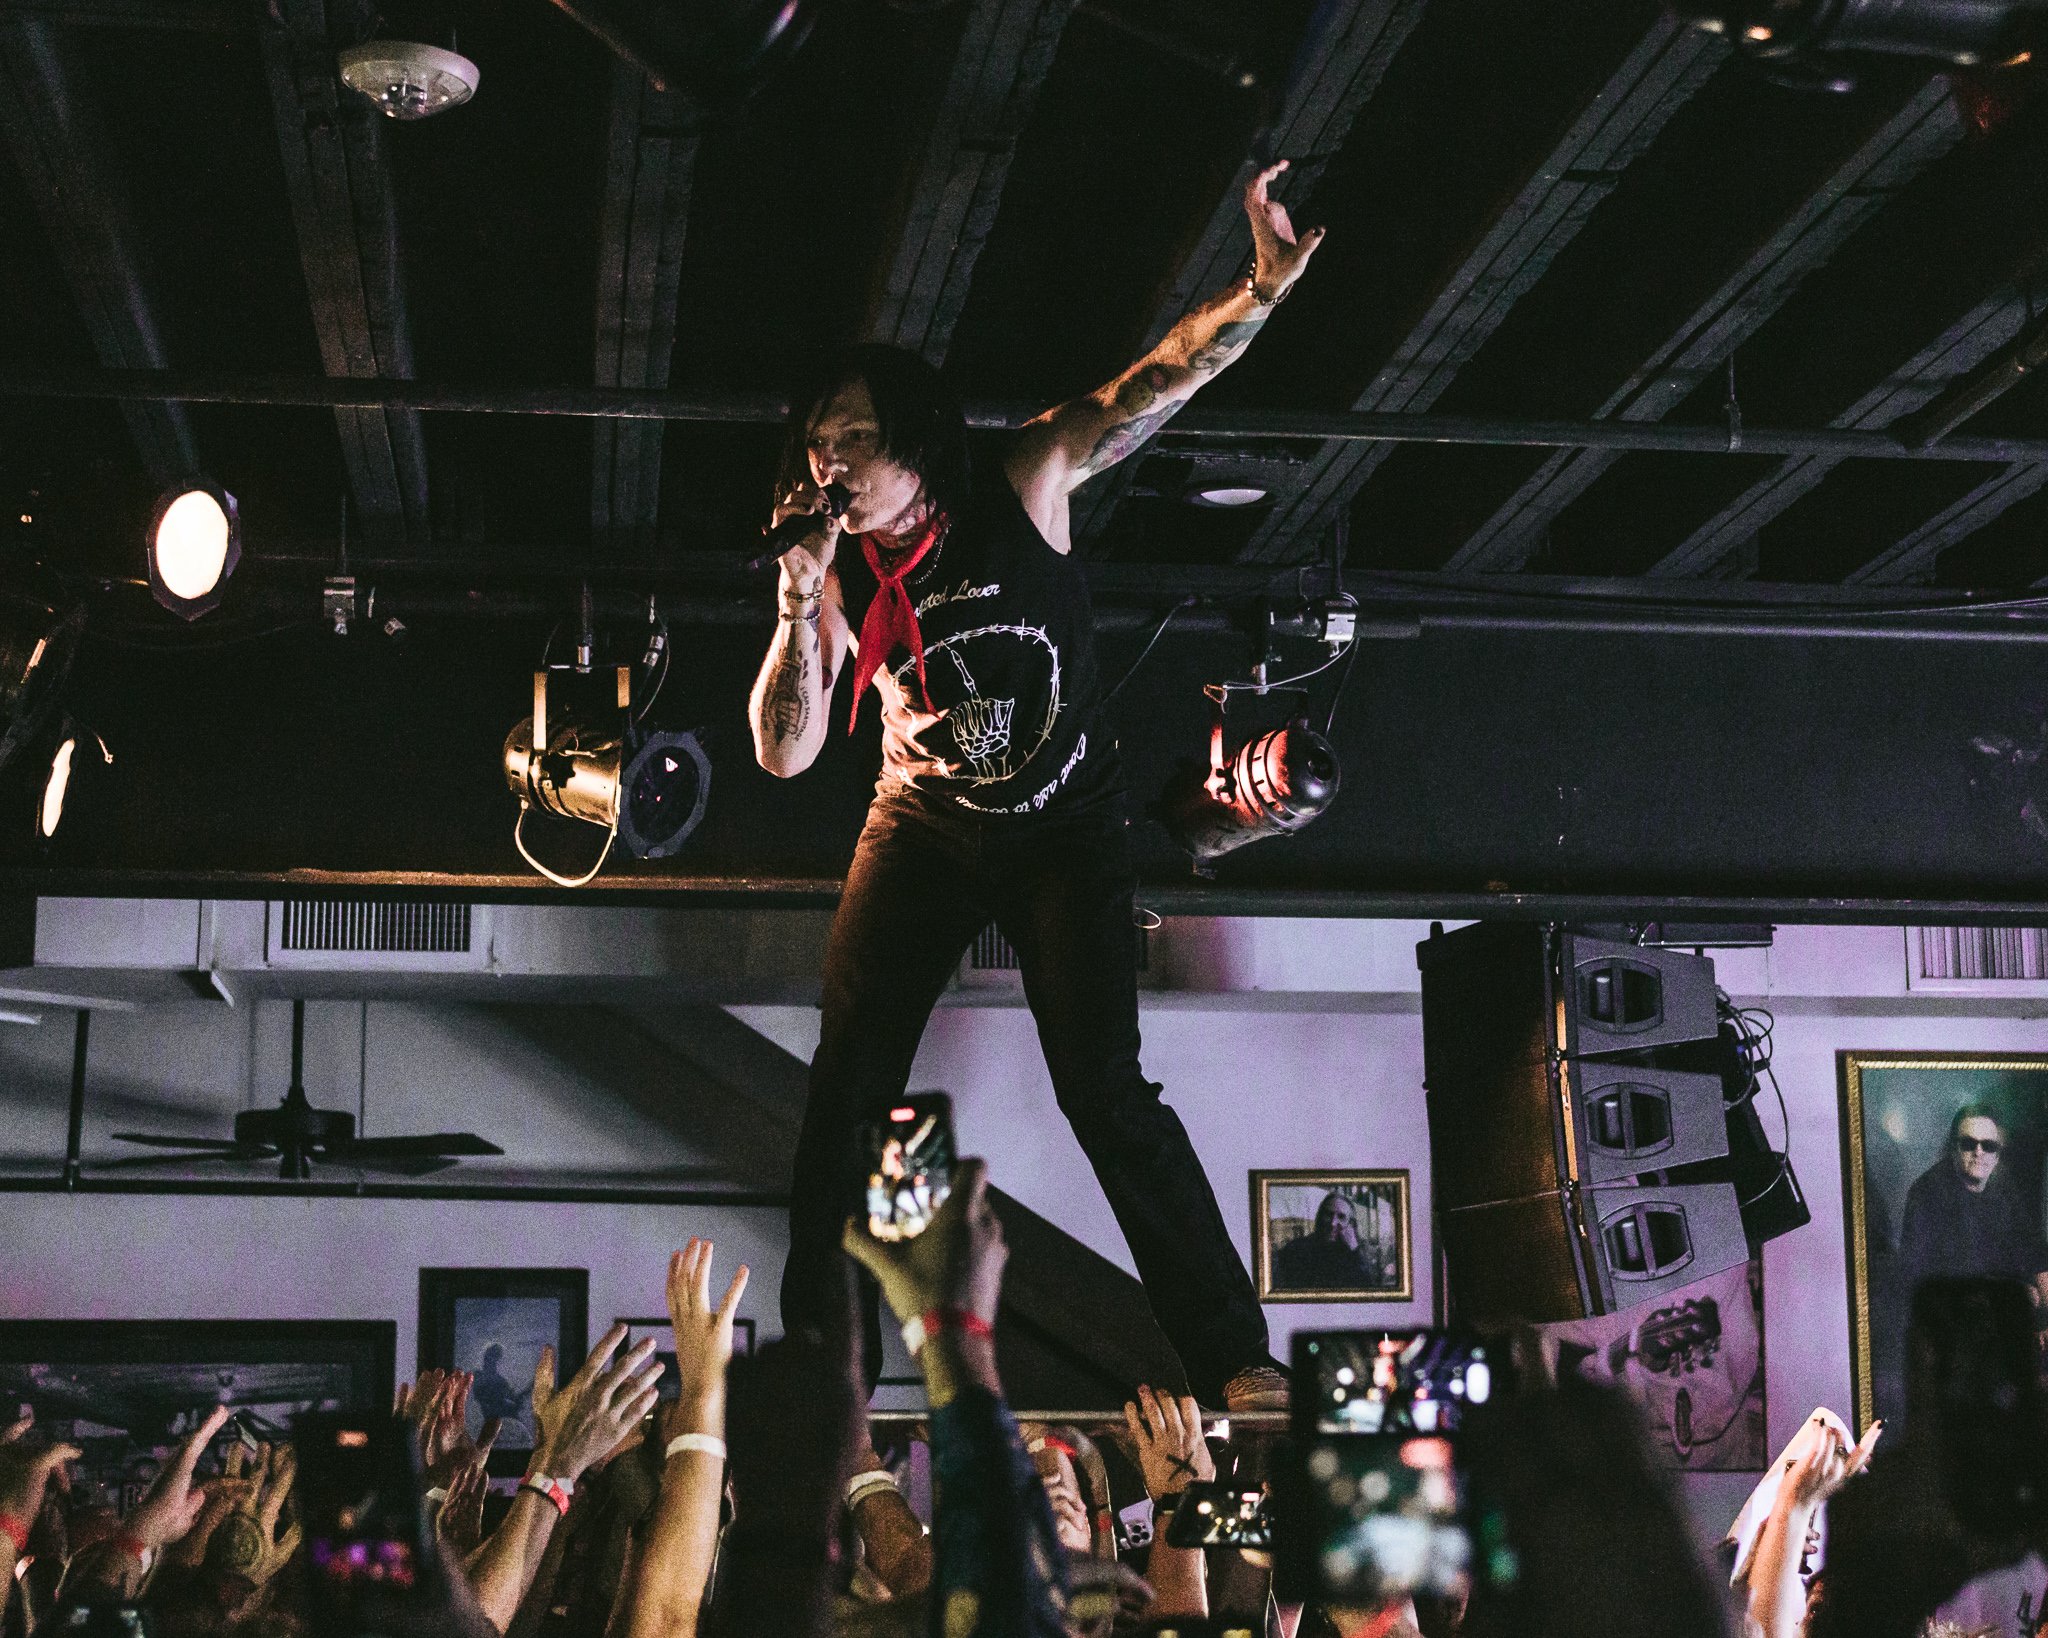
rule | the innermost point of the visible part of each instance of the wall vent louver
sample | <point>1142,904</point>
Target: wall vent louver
<point>346,934</point>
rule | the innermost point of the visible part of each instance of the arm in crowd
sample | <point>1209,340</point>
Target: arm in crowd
<point>1167,1435</point>
<point>998,1569</point>
<point>596,1411</point>
<point>672,1574</point>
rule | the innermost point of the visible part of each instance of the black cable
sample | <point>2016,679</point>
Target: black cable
<point>1145,653</point>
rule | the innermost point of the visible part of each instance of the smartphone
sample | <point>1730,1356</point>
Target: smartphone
<point>1220,1515</point>
<point>1372,1518</point>
<point>366,1543</point>
<point>1390,1381</point>
<point>910,1158</point>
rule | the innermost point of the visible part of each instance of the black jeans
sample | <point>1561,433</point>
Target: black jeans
<point>1061,890</point>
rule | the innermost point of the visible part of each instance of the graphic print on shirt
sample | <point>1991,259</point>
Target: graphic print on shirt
<point>986,731</point>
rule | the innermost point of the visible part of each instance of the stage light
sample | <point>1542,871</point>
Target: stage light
<point>1246,494</point>
<point>647,789</point>
<point>37,647</point>
<point>78,750</point>
<point>408,80</point>
<point>195,541</point>
<point>1276,784</point>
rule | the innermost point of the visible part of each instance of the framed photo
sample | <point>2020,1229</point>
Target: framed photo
<point>1331,1236</point>
<point>125,1391</point>
<point>494,1322</point>
<point>1943,1161</point>
<point>638,1330</point>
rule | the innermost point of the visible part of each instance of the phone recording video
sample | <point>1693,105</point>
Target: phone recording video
<point>1390,1381</point>
<point>360,1496</point>
<point>1219,1515</point>
<point>1384,1518</point>
<point>910,1165</point>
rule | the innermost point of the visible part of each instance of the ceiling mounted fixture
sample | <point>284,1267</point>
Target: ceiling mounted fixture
<point>408,80</point>
<point>1803,43</point>
<point>1229,494</point>
<point>195,541</point>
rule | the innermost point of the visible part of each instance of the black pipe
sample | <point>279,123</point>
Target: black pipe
<point>264,1188</point>
<point>75,1129</point>
<point>625,403</point>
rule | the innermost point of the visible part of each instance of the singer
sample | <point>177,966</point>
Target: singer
<point>1000,797</point>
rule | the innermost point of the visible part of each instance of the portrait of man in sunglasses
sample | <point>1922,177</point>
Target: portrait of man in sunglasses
<point>1966,1215</point>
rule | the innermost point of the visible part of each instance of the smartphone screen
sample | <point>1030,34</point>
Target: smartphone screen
<point>1215,1515</point>
<point>359,1495</point>
<point>910,1165</point>
<point>1389,1381</point>
<point>1384,1518</point>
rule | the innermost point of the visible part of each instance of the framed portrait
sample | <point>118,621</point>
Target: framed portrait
<point>658,1327</point>
<point>1943,1161</point>
<point>125,1391</point>
<point>494,1322</point>
<point>1331,1236</point>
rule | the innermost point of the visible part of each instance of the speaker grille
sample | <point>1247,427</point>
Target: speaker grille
<point>334,926</point>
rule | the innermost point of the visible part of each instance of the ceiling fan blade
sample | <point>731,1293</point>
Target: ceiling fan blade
<point>158,1140</point>
<point>196,1157</point>
<point>420,1145</point>
<point>399,1165</point>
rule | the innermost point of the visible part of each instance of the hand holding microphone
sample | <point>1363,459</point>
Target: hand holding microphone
<point>795,523</point>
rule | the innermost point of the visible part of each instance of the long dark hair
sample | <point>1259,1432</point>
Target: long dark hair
<point>923,428</point>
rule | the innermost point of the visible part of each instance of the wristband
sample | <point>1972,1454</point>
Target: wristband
<point>133,1545</point>
<point>557,1491</point>
<point>863,1485</point>
<point>15,1531</point>
<point>436,1493</point>
<point>917,1332</point>
<point>708,1444</point>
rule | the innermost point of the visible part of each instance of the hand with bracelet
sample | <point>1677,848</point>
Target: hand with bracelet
<point>944,1284</point>
<point>117,1567</point>
<point>674,1569</point>
<point>27,1474</point>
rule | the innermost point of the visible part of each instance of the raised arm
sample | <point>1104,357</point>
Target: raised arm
<point>787,709</point>
<point>1065,447</point>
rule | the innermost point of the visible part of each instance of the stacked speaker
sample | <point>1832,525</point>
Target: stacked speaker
<point>1579,1122</point>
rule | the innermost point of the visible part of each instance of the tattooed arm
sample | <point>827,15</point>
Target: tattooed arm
<point>788,706</point>
<point>1065,447</point>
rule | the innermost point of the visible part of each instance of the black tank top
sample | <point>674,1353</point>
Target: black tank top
<point>1013,726</point>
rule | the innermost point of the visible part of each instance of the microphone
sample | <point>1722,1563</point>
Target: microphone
<point>794,527</point>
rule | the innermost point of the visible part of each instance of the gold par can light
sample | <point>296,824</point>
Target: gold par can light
<point>568,770</point>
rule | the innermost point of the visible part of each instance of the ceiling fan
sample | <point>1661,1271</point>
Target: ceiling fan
<point>298,1136</point>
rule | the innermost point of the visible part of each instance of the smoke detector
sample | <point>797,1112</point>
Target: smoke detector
<point>409,80</point>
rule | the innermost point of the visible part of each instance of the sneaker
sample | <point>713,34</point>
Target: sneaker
<point>1256,1388</point>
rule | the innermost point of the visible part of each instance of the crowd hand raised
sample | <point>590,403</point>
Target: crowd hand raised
<point>1167,1436</point>
<point>246,1542</point>
<point>590,1415</point>
<point>28,1472</point>
<point>460,1522</point>
<point>703,1339</point>
<point>957,1262</point>
<point>1824,1462</point>
<point>173,1503</point>
<point>1280,256</point>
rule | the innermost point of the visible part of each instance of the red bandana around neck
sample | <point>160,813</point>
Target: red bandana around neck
<point>891,622</point>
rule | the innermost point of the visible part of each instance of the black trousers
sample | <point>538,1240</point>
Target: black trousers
<point>1061,890</point>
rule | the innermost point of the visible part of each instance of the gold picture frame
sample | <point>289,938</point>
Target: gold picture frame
<point>1896,1111</point>
<point>1287,1206</point>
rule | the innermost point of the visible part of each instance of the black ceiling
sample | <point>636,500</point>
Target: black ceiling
<point>1553,212</point>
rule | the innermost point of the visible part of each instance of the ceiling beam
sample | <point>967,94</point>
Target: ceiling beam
<point>1912,557</point>
<point>203,16</point>
<point>61,149</point>
<point>1006,51</point>
<point>1715,545</point>
<point>1657,78</point>
<point>651,157</point>
<point>1911,140</point>
<point>1338,65</point>
<point>339,179</point>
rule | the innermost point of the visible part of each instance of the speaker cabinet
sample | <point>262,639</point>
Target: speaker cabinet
<point>1553,1119</point>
